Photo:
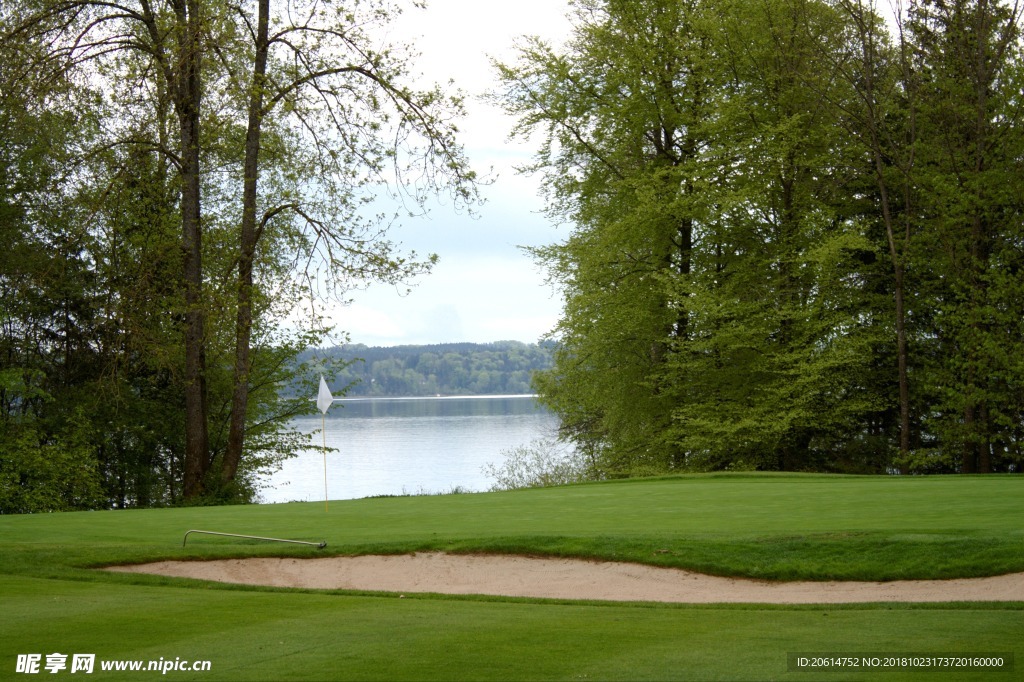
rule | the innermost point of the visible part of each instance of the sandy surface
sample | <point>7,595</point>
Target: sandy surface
<point>568,579</point>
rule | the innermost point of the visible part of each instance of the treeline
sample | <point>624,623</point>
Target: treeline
<point>503,367</point>
<point>798,234</point>
<point>177,179</point>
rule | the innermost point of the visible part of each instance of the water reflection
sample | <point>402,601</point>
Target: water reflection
<point>455,406</point>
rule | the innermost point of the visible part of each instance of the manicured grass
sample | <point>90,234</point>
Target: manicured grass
<point>272,636</point>
<point>778,527</point>
<point>815,527</point>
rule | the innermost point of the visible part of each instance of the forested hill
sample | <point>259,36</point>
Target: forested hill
<point>503,367</point>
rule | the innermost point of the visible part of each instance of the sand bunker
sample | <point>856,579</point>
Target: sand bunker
<point>568,579</point>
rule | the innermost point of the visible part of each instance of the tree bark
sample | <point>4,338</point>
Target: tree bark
<point>248,239</point>
<point>188,94</point>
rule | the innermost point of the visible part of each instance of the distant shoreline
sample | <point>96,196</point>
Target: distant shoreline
<point>496,369</point>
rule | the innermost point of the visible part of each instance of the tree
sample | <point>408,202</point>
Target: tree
<point>796,235</point>
<point>47,295</point>
<point>320,64</point>
<point>622,114</point>
<point>165,40</point>
<point>884,120</point>
<point>968,57</point>
<point>772,375</point>
<point>203,104</point>
<point>713,313</point>
<point>937,119</point>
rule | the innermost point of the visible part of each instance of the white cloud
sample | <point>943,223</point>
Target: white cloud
<point>466,299</point>
<point>362,321</point>
<point>484,288</point>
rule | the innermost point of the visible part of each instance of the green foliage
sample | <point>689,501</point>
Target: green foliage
<point>620,160</point>
<point>543,462</point>
<point>969,219</point>
<point>770,375</point>
<point>139,292</point>
<point>41,476</point>
<point>783,216</point>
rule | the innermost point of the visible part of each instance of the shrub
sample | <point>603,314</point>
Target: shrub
<point>544,462</point>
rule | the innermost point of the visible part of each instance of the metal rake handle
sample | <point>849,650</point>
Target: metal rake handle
<point>318,545</point>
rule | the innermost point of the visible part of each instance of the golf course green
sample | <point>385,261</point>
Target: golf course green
<point>768,526</point>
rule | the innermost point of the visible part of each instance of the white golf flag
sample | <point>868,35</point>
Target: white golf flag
<point>324,399</point>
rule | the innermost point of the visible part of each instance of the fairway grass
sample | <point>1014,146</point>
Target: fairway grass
<point>767,526</point>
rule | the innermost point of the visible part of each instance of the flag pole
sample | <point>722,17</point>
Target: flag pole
<point>323,430</point>
<point>324,400</point>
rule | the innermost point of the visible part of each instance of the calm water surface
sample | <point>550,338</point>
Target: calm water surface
<point>396,446</point>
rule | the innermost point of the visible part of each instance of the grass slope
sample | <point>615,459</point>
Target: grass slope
<point>788,526</point>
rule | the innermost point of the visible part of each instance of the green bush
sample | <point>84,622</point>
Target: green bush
<point>544,462</point>
<point>37,475</point>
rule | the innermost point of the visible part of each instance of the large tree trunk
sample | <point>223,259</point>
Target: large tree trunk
<point>188,96</point>
<point>247,252</point>
<point>902,357</point>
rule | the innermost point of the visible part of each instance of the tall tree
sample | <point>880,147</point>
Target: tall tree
<point>712,307</point>
<point>622,113</point>
<point>272,132</point>
<point>182,76</point>
<point>165,40</point>
<point>968,55</point>
<point>773,374</point>
<point>884,120</point>
<point>48,316</point>
<point>319,64</point>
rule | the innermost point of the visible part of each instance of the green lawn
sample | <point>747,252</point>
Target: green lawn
<point>778,526</point>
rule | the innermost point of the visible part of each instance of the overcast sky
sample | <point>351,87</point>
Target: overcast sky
<point>484,288</point>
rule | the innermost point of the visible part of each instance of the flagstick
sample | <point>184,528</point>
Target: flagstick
<point>323,430</point>
<point>324,400</point>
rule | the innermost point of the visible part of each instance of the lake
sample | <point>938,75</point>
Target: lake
<point>399,446</point>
